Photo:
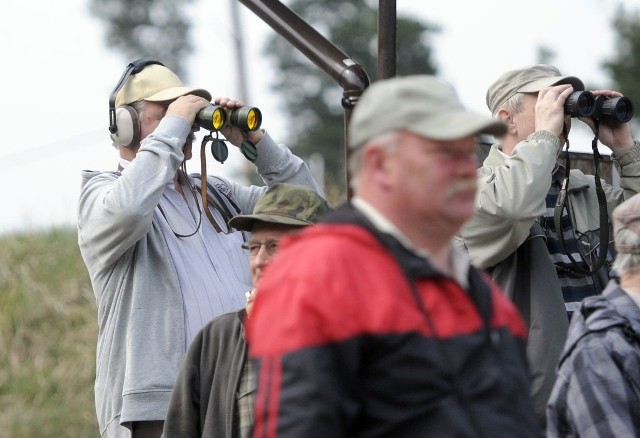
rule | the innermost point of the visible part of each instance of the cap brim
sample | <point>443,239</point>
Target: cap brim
<point>537,85</point>
<point>246,222</point>
<point>460,124</point>
<point>175,92</point>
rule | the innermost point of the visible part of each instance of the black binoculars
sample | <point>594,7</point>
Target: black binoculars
<point>605,109</point>
<point>216,117</point>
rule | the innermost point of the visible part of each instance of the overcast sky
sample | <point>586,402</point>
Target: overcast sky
<point>57,75</point>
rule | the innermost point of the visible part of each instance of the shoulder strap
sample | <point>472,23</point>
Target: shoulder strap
<point>216,197</point>
<point>604,216</point>
<point>228,194</point>
<point>522,299</point>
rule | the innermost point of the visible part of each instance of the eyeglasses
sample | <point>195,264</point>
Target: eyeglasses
<point>254,247</point>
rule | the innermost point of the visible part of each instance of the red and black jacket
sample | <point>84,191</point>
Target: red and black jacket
<point>356,336</point>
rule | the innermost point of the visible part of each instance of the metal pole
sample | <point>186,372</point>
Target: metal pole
<point>238,36</point>
<point>386,39</point>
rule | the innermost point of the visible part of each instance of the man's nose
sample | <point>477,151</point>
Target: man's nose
<point>467,165</point>
<point>263,255</point>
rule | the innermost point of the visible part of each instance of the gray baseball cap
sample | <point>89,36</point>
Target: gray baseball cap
<point>530,79</point>
<point>422,104</point>
<point>283,203</point>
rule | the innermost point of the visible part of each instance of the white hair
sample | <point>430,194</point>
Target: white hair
<point>514,104</point>
<point>627,263</point>
<point>388,140</point>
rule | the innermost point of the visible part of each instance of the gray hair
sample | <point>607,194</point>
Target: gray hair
<point>139,106</point>
<point>388,139</point>
<point>514,104</point>
<point>626,263</point>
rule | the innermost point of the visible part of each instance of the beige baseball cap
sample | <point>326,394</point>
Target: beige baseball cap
<point>530,79</point>
<point>155,83</point>
<point>422,104</point>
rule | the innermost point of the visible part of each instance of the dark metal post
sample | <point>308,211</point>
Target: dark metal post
<point>386,39</point>
<point>240,53</point>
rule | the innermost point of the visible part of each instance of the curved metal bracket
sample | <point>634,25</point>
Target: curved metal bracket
<point>345,71</point>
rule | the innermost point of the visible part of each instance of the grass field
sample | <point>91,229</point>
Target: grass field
<point>47,337</point>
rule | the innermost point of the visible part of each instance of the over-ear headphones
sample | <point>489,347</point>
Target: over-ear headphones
<point>124,124</point>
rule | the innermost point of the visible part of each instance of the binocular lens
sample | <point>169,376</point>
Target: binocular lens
<point>615,109</point>
<point>246,118</point>
<point>212,118</point>
<point>253,120</point>
<point>608,110</point>
<point>215,117</point>
<point>579,104</point>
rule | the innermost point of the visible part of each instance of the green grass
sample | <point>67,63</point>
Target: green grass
<point>48,332</point>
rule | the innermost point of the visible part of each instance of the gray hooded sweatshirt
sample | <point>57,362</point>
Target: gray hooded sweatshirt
<point>141,339</point>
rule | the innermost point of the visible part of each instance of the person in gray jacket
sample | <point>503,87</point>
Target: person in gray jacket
<point>159,270</point>
<point>513,233</point>
<point>597,392</point>
<point>215,388</point>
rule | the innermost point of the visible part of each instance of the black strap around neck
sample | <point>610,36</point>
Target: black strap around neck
<point>561,205</point>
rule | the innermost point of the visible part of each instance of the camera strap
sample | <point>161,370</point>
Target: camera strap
<point>220,152</point>
<point>203,187</point>
<point>182,177</point>
<point>561,205</point>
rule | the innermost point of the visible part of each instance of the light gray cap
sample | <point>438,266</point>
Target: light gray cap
<point>422,104</point>
<point>530,79</point>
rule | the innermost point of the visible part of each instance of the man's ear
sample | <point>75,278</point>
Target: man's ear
<point>505,115</point>
<point>373,155</point>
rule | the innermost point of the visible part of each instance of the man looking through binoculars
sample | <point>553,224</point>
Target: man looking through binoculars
<point>546,258</point>
<point>160,271</point>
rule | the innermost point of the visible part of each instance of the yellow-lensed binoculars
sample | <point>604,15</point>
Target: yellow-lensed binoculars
<point>216,117</point>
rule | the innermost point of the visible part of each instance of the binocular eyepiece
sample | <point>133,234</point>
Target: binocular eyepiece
<point>216,117</point>
<point>605,109</point>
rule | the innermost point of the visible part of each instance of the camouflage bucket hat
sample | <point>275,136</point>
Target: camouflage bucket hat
<point>284,204</point>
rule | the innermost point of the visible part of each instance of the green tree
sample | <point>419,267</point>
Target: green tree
<point>311,99</point>
<point>147,28</point>
<point>623,67</point>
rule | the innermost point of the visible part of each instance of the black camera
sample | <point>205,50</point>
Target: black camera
<point>216,117</point>
<point>602,108</point>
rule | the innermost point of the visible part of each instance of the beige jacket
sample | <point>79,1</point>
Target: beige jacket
<point>511,197</point>
<point>512,191</point>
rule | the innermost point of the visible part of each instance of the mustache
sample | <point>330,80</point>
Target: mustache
<point>462,186</point>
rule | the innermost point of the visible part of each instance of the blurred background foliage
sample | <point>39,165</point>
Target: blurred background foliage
<point>48,333</point>
<point>48,327</point>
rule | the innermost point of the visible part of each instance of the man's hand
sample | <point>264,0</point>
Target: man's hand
<point>187,107</point>
<point>549,108</point>
<point>231,133</point>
